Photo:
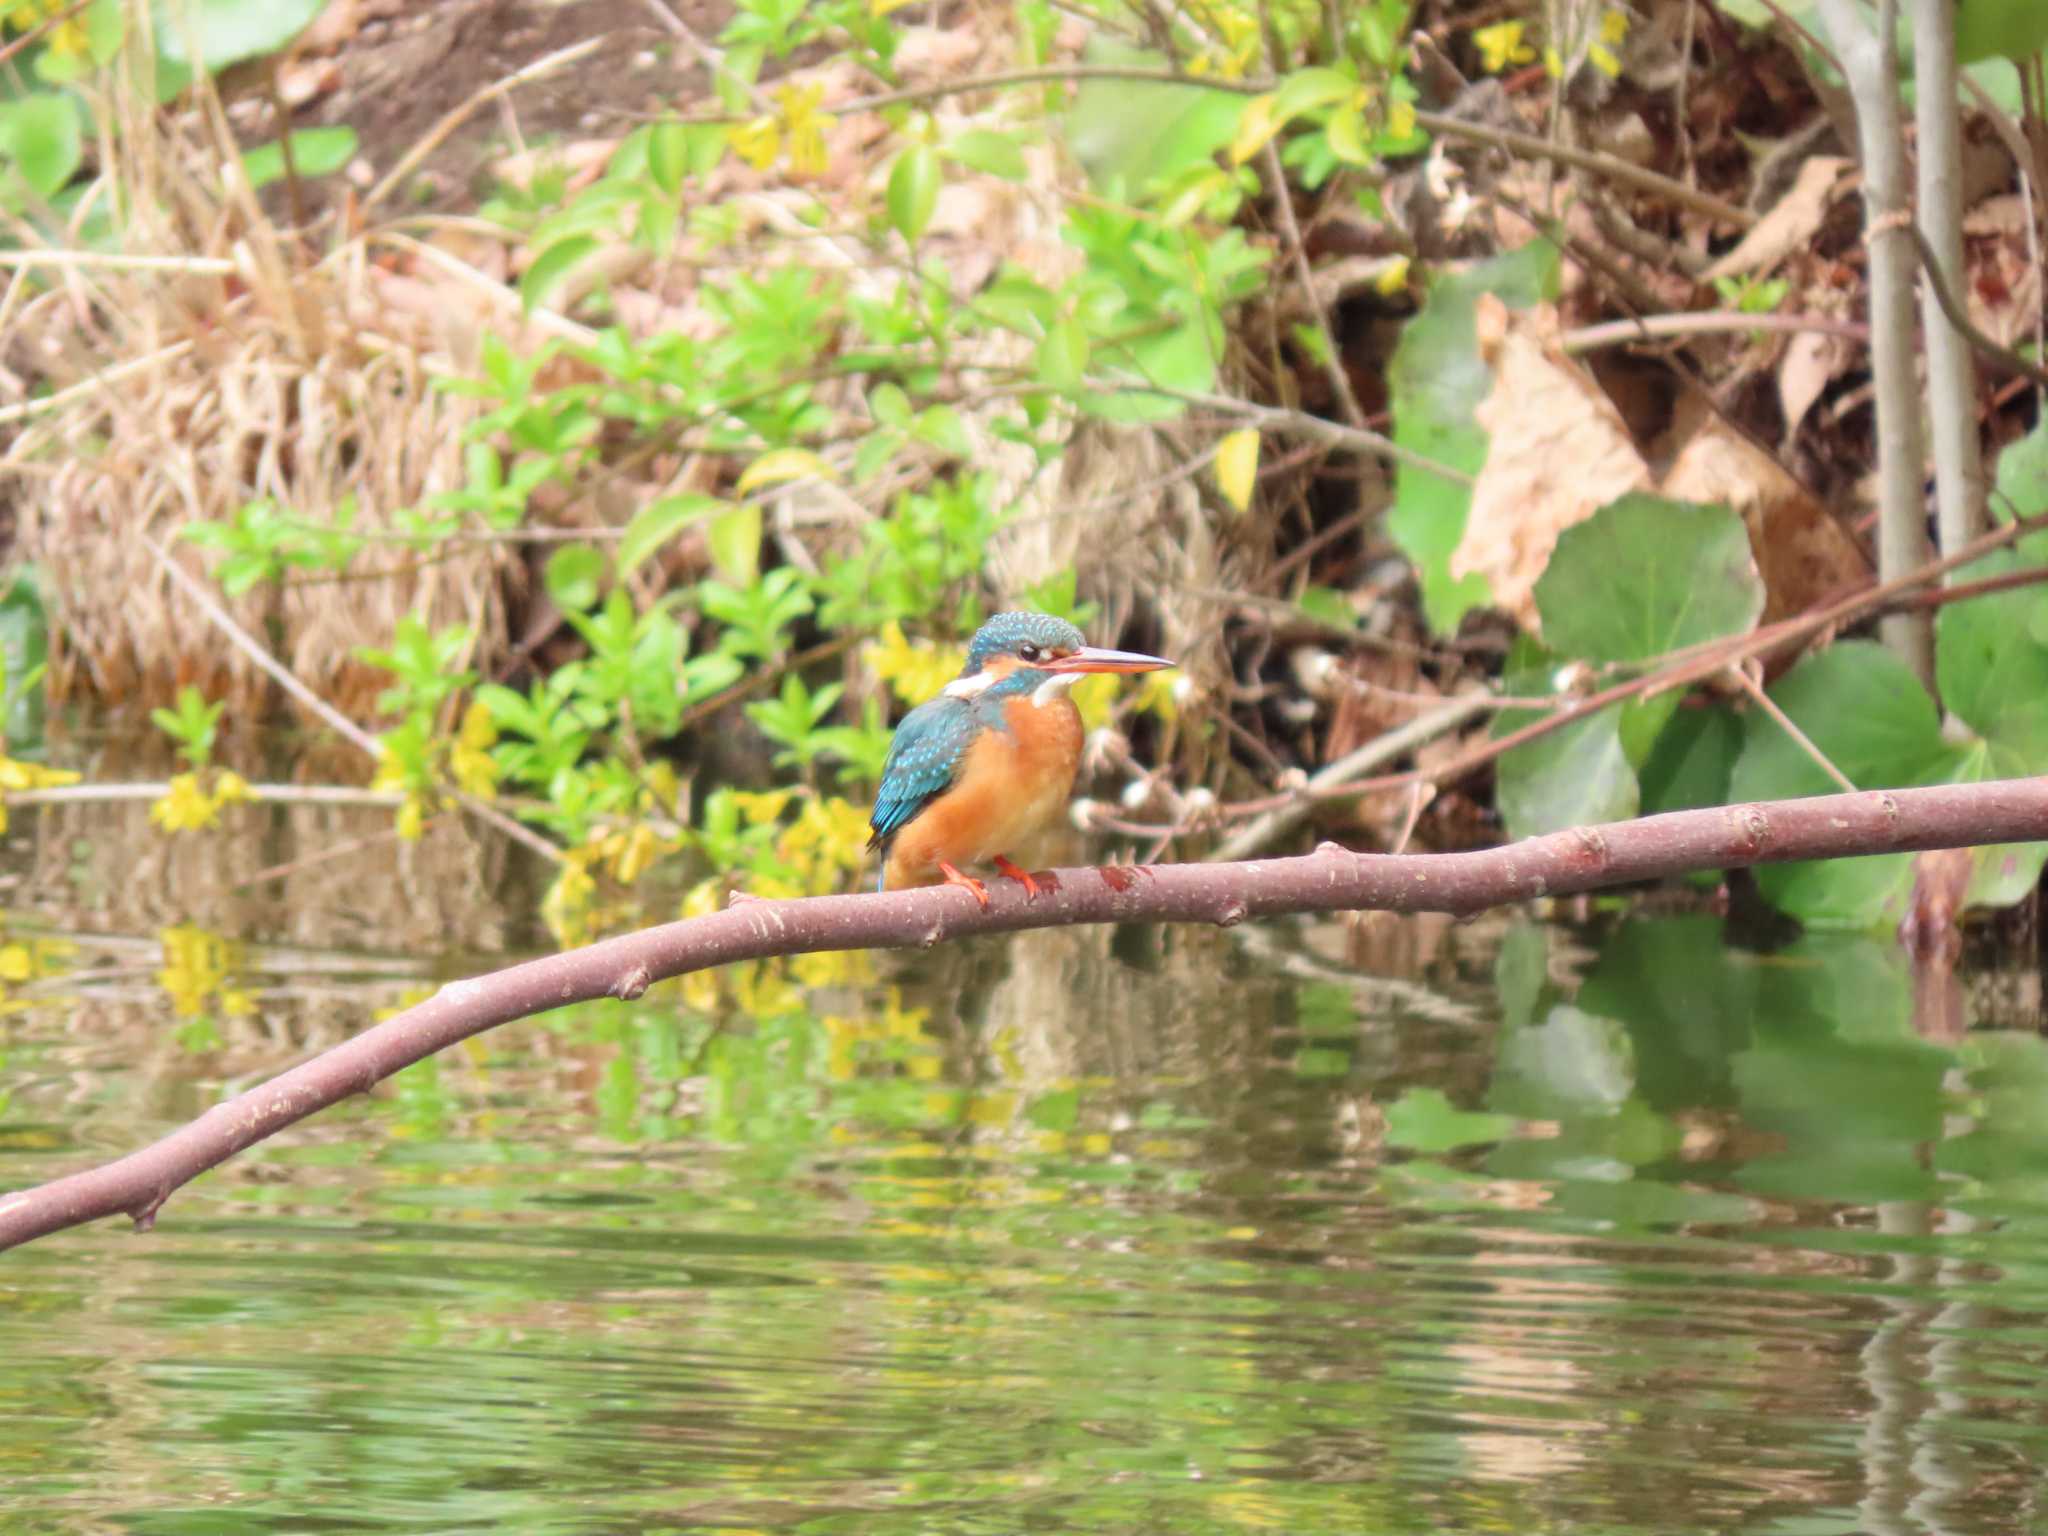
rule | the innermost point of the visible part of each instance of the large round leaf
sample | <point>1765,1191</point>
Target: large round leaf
<point>1574,777</point>
<point>1993,671</point>
<point>1437,380</point>
<point>1643,576</point>
<point>1865,710</point>
<point>220,32</point>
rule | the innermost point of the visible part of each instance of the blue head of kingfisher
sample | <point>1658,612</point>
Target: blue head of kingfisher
<point>982,770</point>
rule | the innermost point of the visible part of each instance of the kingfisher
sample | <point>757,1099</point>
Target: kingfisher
<point>976,773</point>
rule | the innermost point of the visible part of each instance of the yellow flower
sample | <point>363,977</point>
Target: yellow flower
<point>566,907</point>
<point>762,808</point>
<point>1501,45</point>
<point>1155,696</point>
<point>900,1023</point>
<point>1604,60</point>
<point>16,774</point>
<point>660,789</point>
<point>833,968</point>
<point>914,670</point>
<point>1613,26</point>
<point>806,127</point>
<point>185,808</point>
<point>475,770</point>
<point>758,142</point>
<point>196,962</point>
<point>1394,279</point>
<point>636,852</point>
<point>829,835</point>
<point>1553,63</point>
<point>412,819</point>
<point>229,787</point>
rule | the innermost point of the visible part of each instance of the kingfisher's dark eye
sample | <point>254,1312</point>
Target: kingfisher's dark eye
<point>1028,652</point>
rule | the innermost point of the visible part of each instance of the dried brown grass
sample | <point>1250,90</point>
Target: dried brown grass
<point>244,368</point>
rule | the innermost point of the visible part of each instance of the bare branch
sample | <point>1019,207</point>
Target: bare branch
<point>1331,879</point>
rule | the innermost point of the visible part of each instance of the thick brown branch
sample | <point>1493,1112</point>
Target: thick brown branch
<point>1330,879</point>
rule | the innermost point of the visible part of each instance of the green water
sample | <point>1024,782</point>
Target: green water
<point>1493,1228</point>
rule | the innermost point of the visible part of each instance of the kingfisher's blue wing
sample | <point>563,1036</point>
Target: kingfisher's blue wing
<point>924,756</point>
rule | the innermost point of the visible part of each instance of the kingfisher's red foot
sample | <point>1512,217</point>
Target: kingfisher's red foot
<point>973,886</point>
<point>1033,884</point>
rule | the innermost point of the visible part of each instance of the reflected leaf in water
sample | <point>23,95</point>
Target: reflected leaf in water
<point>1835,1070</point>
<point>1424,1120</point>
<point>1686,1001</point>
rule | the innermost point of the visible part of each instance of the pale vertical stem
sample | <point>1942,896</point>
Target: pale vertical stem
<point>1951,366</point>
<point>1870,61</point>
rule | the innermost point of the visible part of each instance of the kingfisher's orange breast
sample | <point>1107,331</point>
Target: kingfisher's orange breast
<point>1012,786</point>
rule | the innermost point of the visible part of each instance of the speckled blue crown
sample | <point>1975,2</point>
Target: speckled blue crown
<point>1007,631</point>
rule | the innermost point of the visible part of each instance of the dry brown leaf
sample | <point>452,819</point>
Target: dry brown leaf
<point>1788,227</point>
<point>1811,361</point>
<point>2004,290</point>
<point>1557,450</point>
<point>1802,552</point>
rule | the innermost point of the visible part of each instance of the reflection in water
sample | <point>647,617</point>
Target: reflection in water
<point>1146,1230</point>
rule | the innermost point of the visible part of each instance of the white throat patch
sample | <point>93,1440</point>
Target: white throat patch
<point>1053,687</point>
<point>967,687</point>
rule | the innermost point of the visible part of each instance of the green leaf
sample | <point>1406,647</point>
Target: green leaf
<point>668,155</point>
<point>25,647</point>
<point>658,522</point>
<point>1424,1120</point>
<point>216,33</point>
<point>551,268</point>
<point>2009,29</point>
<point>1063,355</point>
<point>1327,605</point>
<point>991,153</point>
<point>40,133</point>
<point>735,541</point>
<point>1132,134</point>
<point>1576,776</point>
<point>572,577</point>
<point>914,190</point>
<point>1692,761</point>
<point>1992,669</point>
<point>1865,710</point>
<point>1643,576</point>
<point>1307,90</point>
<point>1346,133</point>
<point>316,152</point>
<point>1436,381</point>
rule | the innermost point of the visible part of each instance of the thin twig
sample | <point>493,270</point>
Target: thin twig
<point>1398,742</point>
<point>266,794</point>
<point>2003,357</point>
<point>1743,674</point>
<point>1708,322</point>
<point>1297,252</point>
<point>247,644</point>
<point>1358,439</point>
<point>1526,145</point>
<point>456,116</point>
<point>117,261</point>
<point>1610,167</point>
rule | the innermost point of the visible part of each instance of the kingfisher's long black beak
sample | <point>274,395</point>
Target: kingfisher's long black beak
<point>1091,658</point>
